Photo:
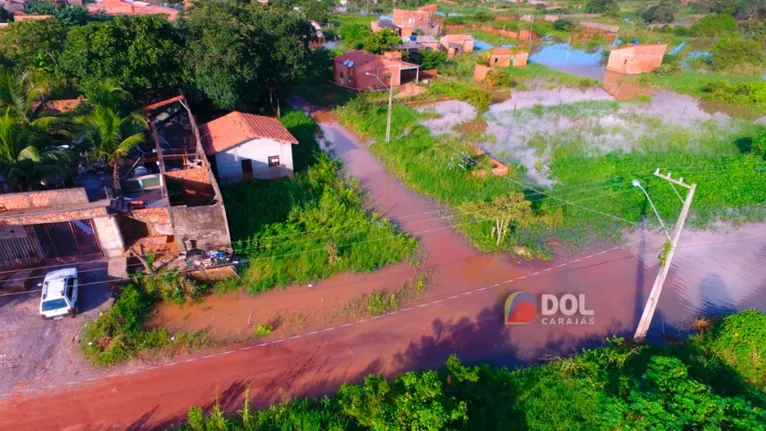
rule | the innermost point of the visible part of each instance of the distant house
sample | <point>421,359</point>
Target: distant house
<point>421,20</point>
<point>456,44</point>
<point>119,7</point>
<point>361,70</point>
<point>414,43</point>
<point>246,146</point>
<point>505,57</point>
<point>377,26</point>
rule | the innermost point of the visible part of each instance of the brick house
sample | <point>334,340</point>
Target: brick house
<point>246,146</point>
<point>119,7</point>
<point>421,19</point>
<point>377,26</point>
<point>361,70</point>
<point>456,44</point>
<point>635,59</point>
<point>506,57</point>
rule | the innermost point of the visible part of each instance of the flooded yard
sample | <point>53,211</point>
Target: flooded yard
<point>564,58</point>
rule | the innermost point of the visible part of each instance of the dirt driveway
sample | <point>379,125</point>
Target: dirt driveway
<point>33,349</point>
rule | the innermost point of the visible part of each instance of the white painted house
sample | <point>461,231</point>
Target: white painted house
<point>245,146</point>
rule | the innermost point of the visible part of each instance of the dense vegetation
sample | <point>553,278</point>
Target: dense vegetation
<point>713,380</point>
<point>317,219</point>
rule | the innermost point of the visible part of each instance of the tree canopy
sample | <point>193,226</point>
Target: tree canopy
<point>241,55</point>
<point>140,53</point>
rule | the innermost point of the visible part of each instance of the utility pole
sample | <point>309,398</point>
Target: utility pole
<point>654,295</point>
<point>390,97</point>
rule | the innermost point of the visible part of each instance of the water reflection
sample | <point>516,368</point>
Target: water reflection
<point>564,58</point>
<point>624,87</point>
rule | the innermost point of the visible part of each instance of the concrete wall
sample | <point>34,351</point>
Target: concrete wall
<point>43,199</point>
<point>229,162</point>
<point>109,236</point>
<point>635,59</point>
<point>52,216</point>
<point>204,224</point>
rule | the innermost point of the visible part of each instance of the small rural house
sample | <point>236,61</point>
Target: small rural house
<point>363,71</point>
<point>245,146</point>
<point>456,44</point>
<point>636,59</point>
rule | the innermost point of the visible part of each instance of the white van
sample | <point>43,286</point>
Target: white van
<point>59,295</point>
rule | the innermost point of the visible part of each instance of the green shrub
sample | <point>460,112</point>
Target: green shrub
<point>308,228</point>
<point>714,25</point>
<point>5,16</point>
<point>563,24</point>
<point>69,15</point>
<point>615,387</point>
<point>668,68</point>
<point>482,16</point>
<point>476,97</point>
<point>428,59</point>
<point>730,53</point>
<point>740,341</point>
<point>747,93</point>
<point>662,13</point>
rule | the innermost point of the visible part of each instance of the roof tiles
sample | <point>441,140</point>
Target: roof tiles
<point>237,127</point>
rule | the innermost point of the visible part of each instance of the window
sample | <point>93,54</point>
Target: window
<point>70,288</point>
<point>342,77</point>
<point>274,161</point>
<point>496,59</point>
<point>410,20</point>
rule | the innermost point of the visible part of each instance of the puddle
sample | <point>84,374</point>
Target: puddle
<point>480,45</point>
<point>564,58</point>
<point>450,113</point>
<point>558,96</point>
<point>677,48</point>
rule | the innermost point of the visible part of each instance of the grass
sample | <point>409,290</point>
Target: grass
<point>703,382</point>
<point>119,334</point>
<point>326,95</point>
<point>263,330</point>
<point>380,302</point>
<point>308,227</point>
<point>731,181</point>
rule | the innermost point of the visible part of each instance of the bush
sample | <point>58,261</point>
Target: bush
<point>606,7</point>
<point>482,16</point>
<point>5,16</point>
<point>428,59</point>
<point>68,15</point>
<point>454,20</point>
<point>354,36</point>
<point>733,53</point>
<point>714,25</point>
<point>668,68</point>
<point>642,387</point>
<point>563,25</point>
<point>662,13</point>
<point>740,342</point>
<point>476,97</point>
<point>384,40</point>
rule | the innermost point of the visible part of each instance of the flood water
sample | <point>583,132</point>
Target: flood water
<point>564,58</point>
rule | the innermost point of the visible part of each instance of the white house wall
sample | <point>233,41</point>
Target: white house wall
<point>229,162</point>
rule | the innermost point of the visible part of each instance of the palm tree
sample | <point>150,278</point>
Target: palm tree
<point>21,160</point>
<point>112,137</point>
<point>25,101</point>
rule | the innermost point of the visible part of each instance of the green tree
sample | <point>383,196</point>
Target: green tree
<point>242,56</point>
<point>754,9</point>
<point>112,137</point>
<point>68,15</point>
<point>428,59</point>
<point>508,211</point>
<point>563,25</point>
<point>34,45</point>
<point>735,52</point>
<point>382,41</point>
<point>22,162</point>
<point>607,7</point>
<point>354,35</point>
<point>140,53</point>
<point>24,101</point>
<point>662,13</point>
<point>727,7</point>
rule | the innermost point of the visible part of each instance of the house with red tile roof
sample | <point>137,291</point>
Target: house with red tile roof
<point>244,146</point>
<point>120,7</point>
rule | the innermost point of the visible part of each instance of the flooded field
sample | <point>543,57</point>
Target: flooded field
<point>532,126</point>
<point>564,58</point>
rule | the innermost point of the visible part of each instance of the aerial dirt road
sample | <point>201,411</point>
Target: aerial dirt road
<point>462,314</point>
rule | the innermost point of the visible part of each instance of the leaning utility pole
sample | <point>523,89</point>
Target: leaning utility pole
<point>654,295</point>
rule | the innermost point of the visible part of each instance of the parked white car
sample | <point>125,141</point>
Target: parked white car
<point>59,294</point>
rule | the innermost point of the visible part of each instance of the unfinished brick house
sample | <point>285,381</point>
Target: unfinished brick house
<point>419,20</point>
<point>587,30</point>
<point>635,59</point>
<point>362,71</point>
<point>172,203</point>
<point>505,57</point>
<point>377,26</point>
<point>456,44</point>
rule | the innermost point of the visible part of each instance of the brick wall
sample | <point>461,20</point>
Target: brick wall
<point>197,174</point>
<point>523,34</point>
<point>206,225</point>
<point>500,60</point>
<point>520,59</point>
<point>157,220</point>
<point>635,59</point>
<point>43,199</point>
